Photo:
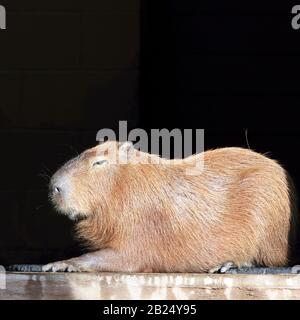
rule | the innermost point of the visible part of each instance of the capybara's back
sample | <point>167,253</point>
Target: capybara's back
<point>239,209</point>
<point>248,210</point>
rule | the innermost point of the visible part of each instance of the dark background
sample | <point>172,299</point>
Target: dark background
<point>69,68</point>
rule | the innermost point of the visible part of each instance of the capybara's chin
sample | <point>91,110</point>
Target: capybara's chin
<point>75,216</point>
<point>71,213</point>
<point>63,207</point>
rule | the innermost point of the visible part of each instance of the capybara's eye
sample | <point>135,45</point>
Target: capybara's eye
<point>99,163</point>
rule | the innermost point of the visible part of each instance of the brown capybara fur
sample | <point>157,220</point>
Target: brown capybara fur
<point>144,217</point>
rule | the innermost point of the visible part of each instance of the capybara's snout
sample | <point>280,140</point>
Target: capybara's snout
<point>59,188</point>
<point>55,188</point>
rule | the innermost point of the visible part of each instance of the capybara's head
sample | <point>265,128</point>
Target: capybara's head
<point>83,184</point>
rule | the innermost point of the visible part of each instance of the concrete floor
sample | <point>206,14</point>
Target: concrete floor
<point>149,286</point>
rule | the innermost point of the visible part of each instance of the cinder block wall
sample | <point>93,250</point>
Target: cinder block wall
<point>67,69</point>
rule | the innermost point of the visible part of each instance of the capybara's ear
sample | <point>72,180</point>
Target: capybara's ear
<point>125,151</point>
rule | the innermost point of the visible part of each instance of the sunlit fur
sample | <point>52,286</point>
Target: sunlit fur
<point>241,208</point>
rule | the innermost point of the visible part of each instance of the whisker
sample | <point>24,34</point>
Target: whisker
<point>246,136</point>
<point>45,176</point>
<point>46,169</point>
<point>40,206</point>
<point>73,149</point>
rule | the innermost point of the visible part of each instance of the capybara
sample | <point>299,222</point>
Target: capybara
<point>240,210</point>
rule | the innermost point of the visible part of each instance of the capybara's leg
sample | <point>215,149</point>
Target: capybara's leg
<point>223,268</point>
<point>103,260</point>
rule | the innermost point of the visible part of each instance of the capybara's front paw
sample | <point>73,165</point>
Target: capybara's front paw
<point>223,268</point>
<point>61,266</point>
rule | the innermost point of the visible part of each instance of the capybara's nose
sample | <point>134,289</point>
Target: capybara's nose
<point>58,186</point>
<point>56,190</point>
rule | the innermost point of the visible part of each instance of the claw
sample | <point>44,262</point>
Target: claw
<point>223,268</point>
<point>60,267</point>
